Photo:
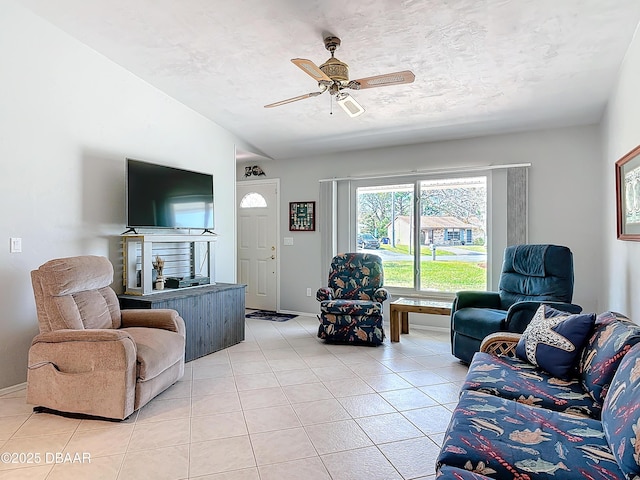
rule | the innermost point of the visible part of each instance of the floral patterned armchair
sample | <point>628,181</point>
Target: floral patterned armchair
<point>351,304</point>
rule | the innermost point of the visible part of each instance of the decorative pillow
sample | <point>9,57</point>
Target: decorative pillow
<point>621,414</point>
<point>613,337</point>
<point>554,339</point>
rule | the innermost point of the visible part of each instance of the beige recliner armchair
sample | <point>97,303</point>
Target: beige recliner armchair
<point>91,357</point>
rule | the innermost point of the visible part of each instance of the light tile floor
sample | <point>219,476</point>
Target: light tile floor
<point>280,405</point>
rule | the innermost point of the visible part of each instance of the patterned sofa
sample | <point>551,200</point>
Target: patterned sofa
<point>516,421</point>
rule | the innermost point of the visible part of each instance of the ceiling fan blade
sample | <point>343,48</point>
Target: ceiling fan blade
<point>349,104</point>
<point>396,78</point>
<point>311,69</point>
<point>294,99</point>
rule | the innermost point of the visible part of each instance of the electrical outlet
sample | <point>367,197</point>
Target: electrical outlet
<point>308,292</point>
<point>15,245</point>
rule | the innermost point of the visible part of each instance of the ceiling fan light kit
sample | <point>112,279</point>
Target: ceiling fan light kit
<point>349,105</point>
<point>333,76</point>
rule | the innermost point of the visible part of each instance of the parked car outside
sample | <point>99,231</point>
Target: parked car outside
<point>366,240</point>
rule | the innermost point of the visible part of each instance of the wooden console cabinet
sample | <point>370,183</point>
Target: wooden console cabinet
<point>213,314</point>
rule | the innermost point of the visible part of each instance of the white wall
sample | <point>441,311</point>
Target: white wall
<point>564,197</point>
<point>621,135</point>
<point>68,118</point>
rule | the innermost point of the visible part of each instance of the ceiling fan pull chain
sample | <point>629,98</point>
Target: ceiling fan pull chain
<point>330,104</point>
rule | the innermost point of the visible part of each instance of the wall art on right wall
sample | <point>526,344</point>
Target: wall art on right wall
<point>628,195</point>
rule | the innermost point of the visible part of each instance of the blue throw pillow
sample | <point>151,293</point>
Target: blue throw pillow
<point>554,340</point>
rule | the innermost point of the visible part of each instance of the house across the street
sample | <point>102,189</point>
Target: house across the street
<point>440,230</point>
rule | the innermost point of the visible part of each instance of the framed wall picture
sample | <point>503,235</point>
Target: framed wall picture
<point>302,216</point>
<point>628,195</point>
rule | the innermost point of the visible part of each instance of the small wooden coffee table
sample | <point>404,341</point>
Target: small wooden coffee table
<point>399,312</point>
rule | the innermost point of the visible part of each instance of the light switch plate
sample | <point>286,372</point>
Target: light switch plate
<point>288,240</point>
<point>15,245</point>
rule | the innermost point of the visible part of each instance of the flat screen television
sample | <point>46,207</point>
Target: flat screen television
<point>158,196</point>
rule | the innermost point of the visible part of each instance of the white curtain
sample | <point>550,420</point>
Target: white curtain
<point>327,224</point>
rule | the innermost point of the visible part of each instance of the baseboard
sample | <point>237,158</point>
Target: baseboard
<point>13,388</point>
<point>302,314</point>
<point>430,328</point>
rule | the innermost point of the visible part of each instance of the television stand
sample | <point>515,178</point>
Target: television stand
<point>206,230</point>
<point>130,230</point>
<point>187,256</point>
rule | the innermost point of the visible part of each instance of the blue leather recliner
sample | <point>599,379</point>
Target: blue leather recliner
<point>531,275</point>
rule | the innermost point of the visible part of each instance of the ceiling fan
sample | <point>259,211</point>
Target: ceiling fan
<point>333,76</point>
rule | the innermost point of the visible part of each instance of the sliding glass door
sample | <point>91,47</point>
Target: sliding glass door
<point>430,232</point>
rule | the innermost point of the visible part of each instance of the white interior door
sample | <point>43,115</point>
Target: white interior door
<point>257,242</point>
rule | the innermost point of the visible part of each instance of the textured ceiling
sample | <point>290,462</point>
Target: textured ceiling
<point>481,66</point>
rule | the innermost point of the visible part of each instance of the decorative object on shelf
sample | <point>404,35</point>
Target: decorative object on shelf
<point>302,216</point>
<point>158,265</point>
<point>255,170</point>
<point>628,195</point>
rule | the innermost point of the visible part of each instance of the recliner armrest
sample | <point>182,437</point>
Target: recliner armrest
<point>476,299</point>
<point>89,335</point>
<point>324,293</point>
<point>565,307</point>
<point>74,351</point>
<point>165,319</point>
<point>520,313</point>
<point>380,295</point>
